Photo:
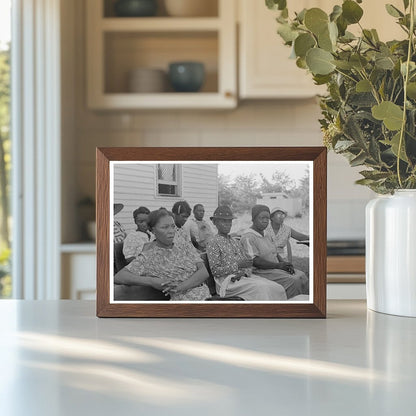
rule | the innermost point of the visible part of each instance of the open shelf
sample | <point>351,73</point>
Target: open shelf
<point>118,45</point>
<point>209,9</point>
<point>160,24</point>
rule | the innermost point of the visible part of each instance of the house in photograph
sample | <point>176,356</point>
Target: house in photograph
<point>161,185</point>
<point>293,206</point>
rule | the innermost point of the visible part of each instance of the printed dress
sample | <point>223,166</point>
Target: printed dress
<point>224,253</point>
<point>255,245</point>
<point>119,232</point>
<point>279,239</point>
<point>134,242</point>
<point>177,264</point>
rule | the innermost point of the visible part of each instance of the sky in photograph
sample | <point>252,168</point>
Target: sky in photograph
<point>4,21</point>
<point>295,170</point>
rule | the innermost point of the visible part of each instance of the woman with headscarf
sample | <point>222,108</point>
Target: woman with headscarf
<point>265,259</point>
<point>280,233</point>
<point>231,267</point>
<point>163,267</point>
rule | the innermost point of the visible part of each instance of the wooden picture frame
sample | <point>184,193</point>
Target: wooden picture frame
<point>109,159</point>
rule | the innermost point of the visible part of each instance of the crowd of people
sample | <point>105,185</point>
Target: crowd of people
<point>175,256</point>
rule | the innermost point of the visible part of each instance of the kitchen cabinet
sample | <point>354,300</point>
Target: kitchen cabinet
<point>265,70</point>
<point>78,263</point>
<point>118,45</point>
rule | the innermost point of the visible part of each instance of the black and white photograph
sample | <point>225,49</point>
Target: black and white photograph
<point>209,232</point>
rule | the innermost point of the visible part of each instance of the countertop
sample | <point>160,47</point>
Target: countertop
<point>57,358</point>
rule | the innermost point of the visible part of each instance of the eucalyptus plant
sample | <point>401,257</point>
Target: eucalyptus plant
<point>369,111</point>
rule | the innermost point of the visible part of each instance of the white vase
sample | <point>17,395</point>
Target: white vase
<point>391,253</point>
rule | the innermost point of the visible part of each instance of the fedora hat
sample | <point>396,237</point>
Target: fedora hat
<point>223,212</point>
<point>118,208</point>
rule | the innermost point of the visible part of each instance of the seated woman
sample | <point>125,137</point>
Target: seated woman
<point>135,241</point>
<point>163,268</point>
<point>264,255</point>
<point>181,211</point>
<point>280,233</point>
<point>232,268</point>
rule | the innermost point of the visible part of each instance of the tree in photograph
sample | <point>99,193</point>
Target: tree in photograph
<point>280,182</point>
<point>240,194</point>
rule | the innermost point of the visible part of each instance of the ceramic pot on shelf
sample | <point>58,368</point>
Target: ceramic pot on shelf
<point>186,76</point>
<point>391,253</point>
<point>135,8</point>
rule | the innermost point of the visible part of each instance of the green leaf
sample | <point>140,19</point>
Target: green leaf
<point>301,15</point>
<point>336,12</point>
<point>384,62</point>
<point>391,114</point>
<point>374,150</point>
<point>276,4</point>
<point>359,160</point>
<point>393,11</point>
<point>301,63</point>
<point>394,143</point>
<point>333,32</point>
<point>303,43</point>
<point>325,42</point>
<point>287,33</point>
<point>316,20</point>
<point>375,35</point>
<point>319,61</point>
<point>351,11</point>
<point>345,65</point>
<point>347,38</point>
<point>321,79</point>
<point>343,145</point>
<point>374,175</point>
<point>353,131</point>
<point>411,90</point>
<point>363,86</point>
<point>358,61</point>
<point>365,182</point>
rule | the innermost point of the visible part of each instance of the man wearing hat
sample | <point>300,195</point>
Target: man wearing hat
<point>231,267</point>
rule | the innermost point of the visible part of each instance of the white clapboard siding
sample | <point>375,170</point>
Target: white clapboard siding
<point>135,185</point>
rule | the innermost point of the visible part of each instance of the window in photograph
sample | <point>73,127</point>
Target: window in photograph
<point>168,179</point>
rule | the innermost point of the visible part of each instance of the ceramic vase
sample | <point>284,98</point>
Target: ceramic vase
<point>391,253</point>
<point>186,76</point>
<point>135,8</point>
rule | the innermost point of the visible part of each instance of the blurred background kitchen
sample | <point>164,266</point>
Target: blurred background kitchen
<point>125,80</point>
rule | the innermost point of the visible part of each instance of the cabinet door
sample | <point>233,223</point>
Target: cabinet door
<point>265,68</point>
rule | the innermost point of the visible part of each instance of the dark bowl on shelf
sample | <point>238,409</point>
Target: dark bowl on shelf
<point>186,76</point>
<point>135,8</point>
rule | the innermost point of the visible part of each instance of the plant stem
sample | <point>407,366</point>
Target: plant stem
<point>405,81</point>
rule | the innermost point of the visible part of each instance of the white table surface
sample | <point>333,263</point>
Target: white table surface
<point>57,358</point>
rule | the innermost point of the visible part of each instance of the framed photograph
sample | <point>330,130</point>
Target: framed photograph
<point>211,232</point>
